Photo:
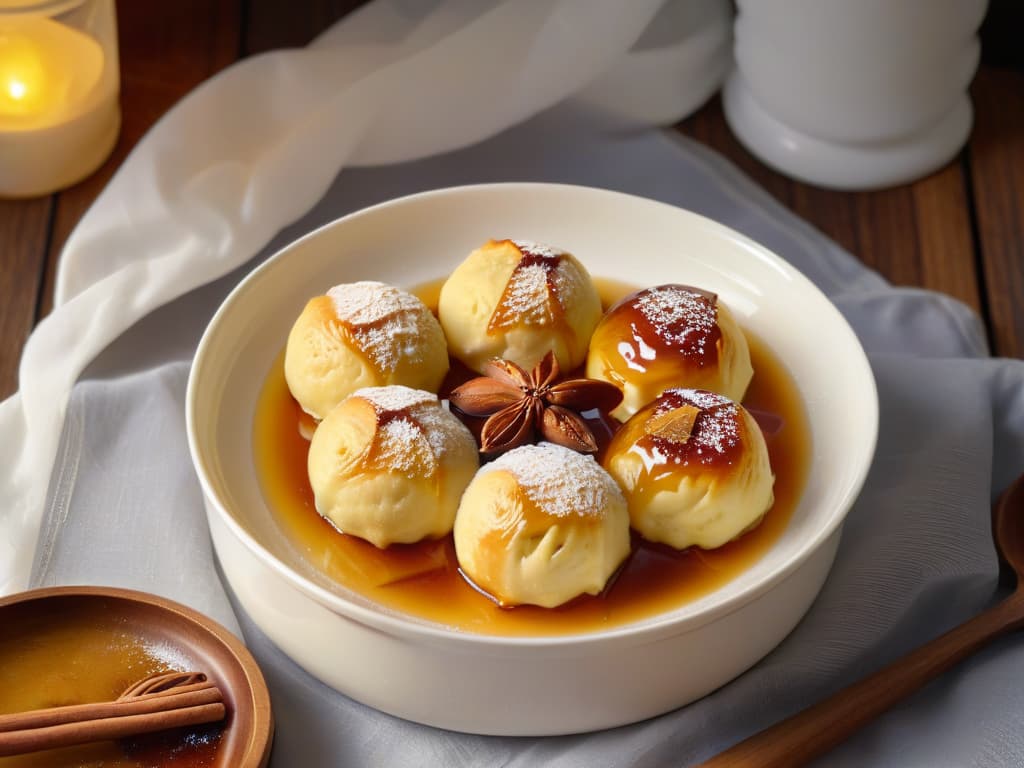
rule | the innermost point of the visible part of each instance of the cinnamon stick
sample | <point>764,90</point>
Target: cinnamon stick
<point>163,708</point>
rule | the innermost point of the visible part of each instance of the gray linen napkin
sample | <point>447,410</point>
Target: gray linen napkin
<point>915,557</point>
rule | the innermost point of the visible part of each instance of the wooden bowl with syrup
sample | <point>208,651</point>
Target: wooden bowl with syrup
<point>78,645</point>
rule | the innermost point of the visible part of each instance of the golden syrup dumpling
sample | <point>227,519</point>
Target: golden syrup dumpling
<point>541,525</point>
<point>364,334</point>
<point>669,336</point>
<point>389,465</point>
<point>518,300</point>
<point>694,468</point>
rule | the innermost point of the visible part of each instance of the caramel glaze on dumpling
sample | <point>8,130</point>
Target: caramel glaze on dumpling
<point>694,468</point>
<point>669,336</point>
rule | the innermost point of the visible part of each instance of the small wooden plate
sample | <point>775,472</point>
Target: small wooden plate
<point>249,729</point>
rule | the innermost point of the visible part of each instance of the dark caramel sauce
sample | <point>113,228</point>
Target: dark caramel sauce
<point>716,441</point>
<point>423,579</point>
<point>79,657</point>
<point>689,329</point>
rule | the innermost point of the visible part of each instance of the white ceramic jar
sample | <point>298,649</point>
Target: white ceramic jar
<point>853,93</point>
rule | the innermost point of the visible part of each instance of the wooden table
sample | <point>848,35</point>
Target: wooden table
<point>961,230</point>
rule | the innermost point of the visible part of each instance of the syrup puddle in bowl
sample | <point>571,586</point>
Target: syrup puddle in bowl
<point>423,579</point>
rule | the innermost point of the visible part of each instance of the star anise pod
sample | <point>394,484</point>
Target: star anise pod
<point>519,405</point>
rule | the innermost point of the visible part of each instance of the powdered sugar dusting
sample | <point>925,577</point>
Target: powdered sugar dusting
<point>678,315</point>
<point>701,398</point>
<point>558,480</point>
<point>716,430</point>
<point>415,432</point>
<point>385,322</point>
<point>537,249</point>
<point>395,397</point>
<point>539,289</point>
<point>402,446</point>
<point>527,296</point>
<point>568,283</point>
<point>170,656</point>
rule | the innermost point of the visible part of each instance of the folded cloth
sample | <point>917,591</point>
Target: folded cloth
<point>915,556</point>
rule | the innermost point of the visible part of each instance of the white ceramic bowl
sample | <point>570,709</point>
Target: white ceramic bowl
<point>512,685</point>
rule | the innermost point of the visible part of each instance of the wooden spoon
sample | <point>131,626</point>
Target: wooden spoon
<point>816,730</point>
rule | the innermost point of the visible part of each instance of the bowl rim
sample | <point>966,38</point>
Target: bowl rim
<point>260,738</point>
<point>394,622</point>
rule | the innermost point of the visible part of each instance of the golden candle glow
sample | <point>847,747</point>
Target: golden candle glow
<point>59,80</point>
<point>47,71</point>
<point>21,77</point>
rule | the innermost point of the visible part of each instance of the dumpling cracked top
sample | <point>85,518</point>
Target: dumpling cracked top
<point>364,334</point>
<point>389,465</point>
<point>517,301</point>
<point>669,335</point>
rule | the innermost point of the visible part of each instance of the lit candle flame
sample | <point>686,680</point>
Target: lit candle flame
<point>17,89</point>
<point>24,91</point>
<point>46,70</point>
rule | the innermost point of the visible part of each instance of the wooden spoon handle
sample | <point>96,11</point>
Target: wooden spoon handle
<point>821,727</point>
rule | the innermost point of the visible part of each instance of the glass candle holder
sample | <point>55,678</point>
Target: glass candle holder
<point>59,83</point>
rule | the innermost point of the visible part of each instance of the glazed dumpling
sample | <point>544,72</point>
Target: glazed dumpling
<point>669,336</point>
<point>694,468</point>
<point>516,300</point>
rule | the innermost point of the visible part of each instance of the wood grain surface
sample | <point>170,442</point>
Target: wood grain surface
<point>960,230</point>
<point>996,154</point>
